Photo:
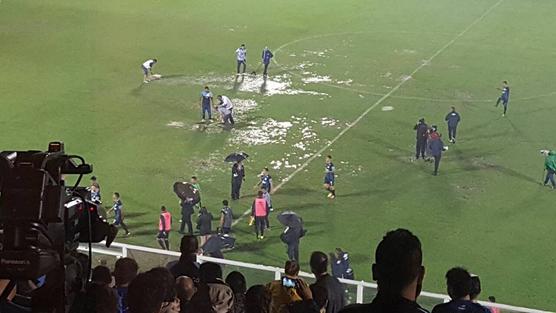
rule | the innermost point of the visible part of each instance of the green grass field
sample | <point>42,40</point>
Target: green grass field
<point>71,72</point>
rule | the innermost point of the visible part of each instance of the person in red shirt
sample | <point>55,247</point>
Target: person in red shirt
<point>164,227</point>
<point>259,210</point>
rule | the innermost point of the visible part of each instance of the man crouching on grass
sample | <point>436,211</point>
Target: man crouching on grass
<point>147,68</point>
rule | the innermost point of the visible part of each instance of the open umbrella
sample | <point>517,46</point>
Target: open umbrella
<point>186,192</point>
<point>290,219</point>
<point>236,156</point>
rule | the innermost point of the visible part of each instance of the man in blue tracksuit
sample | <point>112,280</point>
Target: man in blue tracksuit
<point>266,180</point>
<point>453,119</point>
<point>329,177</point>
<point>267,55</point>
<point>436,147</point>
<point>118,214</point>
<point>504,97</point>
<point>206,103</point>
<point>421,138</point>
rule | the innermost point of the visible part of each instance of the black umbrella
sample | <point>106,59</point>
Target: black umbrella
<point>186,192</point>
<point>290,219</point>
<point>213,245</point>
<point>236,156</point>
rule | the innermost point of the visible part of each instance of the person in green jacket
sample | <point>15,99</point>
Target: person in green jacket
<point>550,166</point>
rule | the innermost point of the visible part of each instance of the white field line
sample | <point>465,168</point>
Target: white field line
<point>374,105</point>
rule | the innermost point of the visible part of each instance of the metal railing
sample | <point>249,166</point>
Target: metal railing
<point>119,250</point>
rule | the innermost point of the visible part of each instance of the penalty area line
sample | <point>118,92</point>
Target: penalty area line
<point>374,105</point>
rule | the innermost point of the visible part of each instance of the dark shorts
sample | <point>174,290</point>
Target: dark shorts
<point>163,235</point>
<point>145,70</point>
<point>240,62</point>
<point>117,218</point>
<point>329,180</point>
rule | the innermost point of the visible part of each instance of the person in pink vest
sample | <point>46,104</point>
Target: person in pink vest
<point>164,227</point>
<point>259,210</point>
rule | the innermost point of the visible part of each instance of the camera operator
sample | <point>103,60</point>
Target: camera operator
<point>42,222</point>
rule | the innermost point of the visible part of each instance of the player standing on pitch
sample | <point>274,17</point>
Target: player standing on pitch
<point>504,97</point>
<point>118,214</point>
<point>206,103</point>
<point>241,55</point>
<point>164,227</point>
<point>329,177</point>
<point>266,56</point>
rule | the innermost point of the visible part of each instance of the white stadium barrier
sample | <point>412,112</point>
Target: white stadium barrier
<point>362,291</point>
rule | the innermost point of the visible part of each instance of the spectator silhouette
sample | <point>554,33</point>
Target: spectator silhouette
<point>153,292</point>
<point>125,270</point>
<point>185,289</point>
<point>237,283</point>
<point>257,300</point>
<point>212,290</point>
<point>335,290</point>
<point>399,274</point>
<point>187,264</point>
<point>458,281</point>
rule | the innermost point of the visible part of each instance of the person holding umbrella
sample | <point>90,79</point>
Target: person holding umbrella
<point>259,210</point>
<point>292,233</point>
<point>189,197</point>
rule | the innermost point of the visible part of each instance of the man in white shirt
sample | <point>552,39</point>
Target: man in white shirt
<point>147,67</point>
<point>241,56</point>
<point>225,107</point>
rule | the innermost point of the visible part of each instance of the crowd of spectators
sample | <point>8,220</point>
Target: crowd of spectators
<point>189,287</point>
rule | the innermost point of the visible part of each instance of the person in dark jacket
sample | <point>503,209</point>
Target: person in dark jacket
<point>237,283</point>
<point>399,274</point>
<point>97,296</point>
<point>335,290</point>
<point>291,237</point>
<point>341,267</point>
<point>421,138</point>
<point>212,293</point>
<point>186,212</point>
<point>238,176</point>
<point>187,264</point>
<point>266,56</point>
<point>125,271</point>
<point>453,119</point>
<point>226,218</point>
<point>476,291</point>
<point>204,225</point>
<point>458,281</point>
<point>436,147</point>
